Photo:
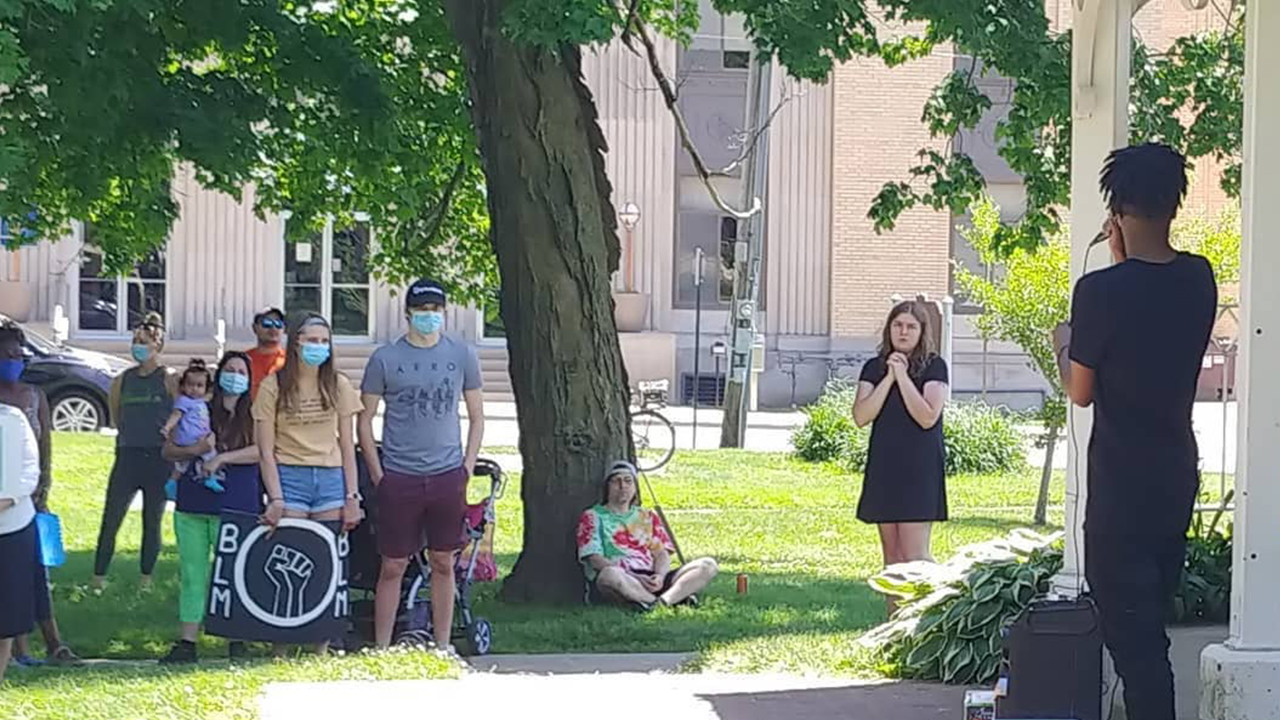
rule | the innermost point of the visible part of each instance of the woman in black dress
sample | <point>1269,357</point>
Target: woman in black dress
<point>901,394</point>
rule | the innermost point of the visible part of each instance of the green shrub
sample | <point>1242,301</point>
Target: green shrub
<point>950,617</point>
<point>979,438</point>
<point>827,424</point>
<point>1204,591</point>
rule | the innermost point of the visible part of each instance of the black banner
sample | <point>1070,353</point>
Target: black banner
<point>289,586</point>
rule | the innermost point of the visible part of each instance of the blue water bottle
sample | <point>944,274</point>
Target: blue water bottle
<point>49,527</point>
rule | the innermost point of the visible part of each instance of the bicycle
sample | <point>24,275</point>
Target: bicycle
<point>652,434</point>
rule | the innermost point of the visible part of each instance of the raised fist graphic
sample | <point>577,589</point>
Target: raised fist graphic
<point>290,571</point>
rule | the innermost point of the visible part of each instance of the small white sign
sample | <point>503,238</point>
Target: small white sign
<point>302,252</point>
<point>337,265</point>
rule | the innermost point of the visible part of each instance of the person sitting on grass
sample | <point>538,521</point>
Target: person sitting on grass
<point>625,551</point>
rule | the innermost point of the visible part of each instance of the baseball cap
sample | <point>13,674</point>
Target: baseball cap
<point>424,291</point>
<point>266,312</point>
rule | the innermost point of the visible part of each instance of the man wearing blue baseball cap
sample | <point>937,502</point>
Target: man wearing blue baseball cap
<point>422,476</point>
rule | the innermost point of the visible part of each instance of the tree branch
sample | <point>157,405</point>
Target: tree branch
<point>441,208</point>
<point>673,105</point>
<point>750,147</point>
<point>628,21</point>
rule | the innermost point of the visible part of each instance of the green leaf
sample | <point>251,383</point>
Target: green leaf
<point>958,655</point>
<point>986,612</point>
<point>987,670</point>
<point>989,590</point>
<point>927,651</point>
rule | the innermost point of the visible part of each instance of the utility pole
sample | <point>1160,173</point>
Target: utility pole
<point>747,254</point>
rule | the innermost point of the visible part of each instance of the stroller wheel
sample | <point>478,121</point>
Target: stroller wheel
<point>414,638</point>
<point>478,637</point>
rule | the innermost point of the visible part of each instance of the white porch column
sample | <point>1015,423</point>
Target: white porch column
<point>1100,124</point>
<point>1241,679</point>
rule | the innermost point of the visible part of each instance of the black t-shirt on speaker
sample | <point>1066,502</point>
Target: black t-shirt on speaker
<point>1144,329</point>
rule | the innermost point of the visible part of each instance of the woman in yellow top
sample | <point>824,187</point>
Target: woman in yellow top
<point>304,426</point>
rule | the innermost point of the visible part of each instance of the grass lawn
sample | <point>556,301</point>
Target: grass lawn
<point>788,525</point>
<point>212,691</point>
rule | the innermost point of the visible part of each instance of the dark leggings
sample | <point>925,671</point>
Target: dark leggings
<point>135,469</point>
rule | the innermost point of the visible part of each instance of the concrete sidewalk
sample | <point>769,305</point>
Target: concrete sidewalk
<point>617,688</point>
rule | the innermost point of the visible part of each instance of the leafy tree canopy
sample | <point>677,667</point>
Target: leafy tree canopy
<point>335,107</point>
<point>1189,95</point>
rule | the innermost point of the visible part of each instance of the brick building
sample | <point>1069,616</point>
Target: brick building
<point>828,277</point>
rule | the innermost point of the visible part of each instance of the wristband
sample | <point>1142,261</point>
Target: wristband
<point>275,500</point>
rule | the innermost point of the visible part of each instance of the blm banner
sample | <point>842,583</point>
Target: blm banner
<point>289,586</point>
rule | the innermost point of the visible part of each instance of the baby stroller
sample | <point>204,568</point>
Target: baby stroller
<point>472,635</point>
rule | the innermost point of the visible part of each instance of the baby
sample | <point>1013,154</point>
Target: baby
<point>189,424</point>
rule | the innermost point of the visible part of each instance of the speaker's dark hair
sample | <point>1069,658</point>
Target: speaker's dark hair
<point>1147,181</point>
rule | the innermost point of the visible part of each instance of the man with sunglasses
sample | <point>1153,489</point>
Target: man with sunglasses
<point>268,355</point>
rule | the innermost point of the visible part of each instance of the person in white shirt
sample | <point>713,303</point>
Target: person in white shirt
<point>19,548</point>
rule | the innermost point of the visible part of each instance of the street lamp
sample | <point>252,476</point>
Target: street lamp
<point>630,217</point>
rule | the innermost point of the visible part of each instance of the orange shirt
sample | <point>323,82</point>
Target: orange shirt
<point>263,363</point>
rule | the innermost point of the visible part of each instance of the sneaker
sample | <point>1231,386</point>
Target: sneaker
<point>183,652</point>
<point>212,482</point>
<point>237,650</point>
<point>692,601</point>
<point>26,661</point>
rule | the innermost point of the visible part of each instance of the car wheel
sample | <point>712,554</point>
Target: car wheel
<point>76,411</point>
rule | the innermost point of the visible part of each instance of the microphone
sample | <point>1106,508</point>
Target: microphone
<point>1099,238</point>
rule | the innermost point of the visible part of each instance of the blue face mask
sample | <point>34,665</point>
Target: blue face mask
<point>141,353</point>
<point>11,370</point>
<point>314,354</point>
<point>233,383</point>
<point>427,321</point>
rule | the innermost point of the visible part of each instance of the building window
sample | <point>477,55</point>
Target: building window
<point>723,37</point>
<point>716,235</point>
<point>102,294</point>
<point>328,273</point>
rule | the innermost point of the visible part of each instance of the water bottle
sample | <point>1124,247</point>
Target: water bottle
<point>49,527</point>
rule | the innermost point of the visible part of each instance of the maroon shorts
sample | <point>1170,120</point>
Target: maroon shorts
<point>417,508</point>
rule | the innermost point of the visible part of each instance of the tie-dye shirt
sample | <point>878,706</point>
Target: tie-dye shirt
<point>628,539</point>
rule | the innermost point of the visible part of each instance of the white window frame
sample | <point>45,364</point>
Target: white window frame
<point>327,285</point>
<point>481,338</point>
<point>122,328</point>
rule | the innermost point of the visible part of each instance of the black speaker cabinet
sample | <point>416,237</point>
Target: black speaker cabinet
<point>1054,655</point>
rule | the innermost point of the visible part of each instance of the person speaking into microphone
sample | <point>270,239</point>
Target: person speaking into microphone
<point>1133,350</point>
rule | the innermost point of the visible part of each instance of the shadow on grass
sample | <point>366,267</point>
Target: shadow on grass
<point>776,604</point>
<point>125,623</point>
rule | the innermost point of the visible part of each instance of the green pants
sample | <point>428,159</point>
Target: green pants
<point>197,537</point>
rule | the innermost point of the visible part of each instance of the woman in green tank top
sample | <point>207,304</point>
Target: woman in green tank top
<point>141,400</point>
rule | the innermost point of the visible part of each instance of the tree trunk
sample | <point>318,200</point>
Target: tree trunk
<point>554,232</point>
<point>1046,475</point>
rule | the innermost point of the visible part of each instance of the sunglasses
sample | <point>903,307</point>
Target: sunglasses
<point>272,324</point>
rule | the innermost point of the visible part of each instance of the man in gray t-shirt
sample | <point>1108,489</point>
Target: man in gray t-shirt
<point>421,477</point>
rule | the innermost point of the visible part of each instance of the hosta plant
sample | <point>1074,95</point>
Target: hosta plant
<point>950,615</point>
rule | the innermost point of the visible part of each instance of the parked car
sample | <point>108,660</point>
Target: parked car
<point>76,381</point>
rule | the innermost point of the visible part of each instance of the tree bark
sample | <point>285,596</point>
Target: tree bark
<point>1046,475</point>
<point>554,231</point>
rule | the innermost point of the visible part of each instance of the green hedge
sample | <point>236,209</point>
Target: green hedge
<point>979,438</point>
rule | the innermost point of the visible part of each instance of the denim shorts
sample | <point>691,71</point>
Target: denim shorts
<point>311,489</point>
